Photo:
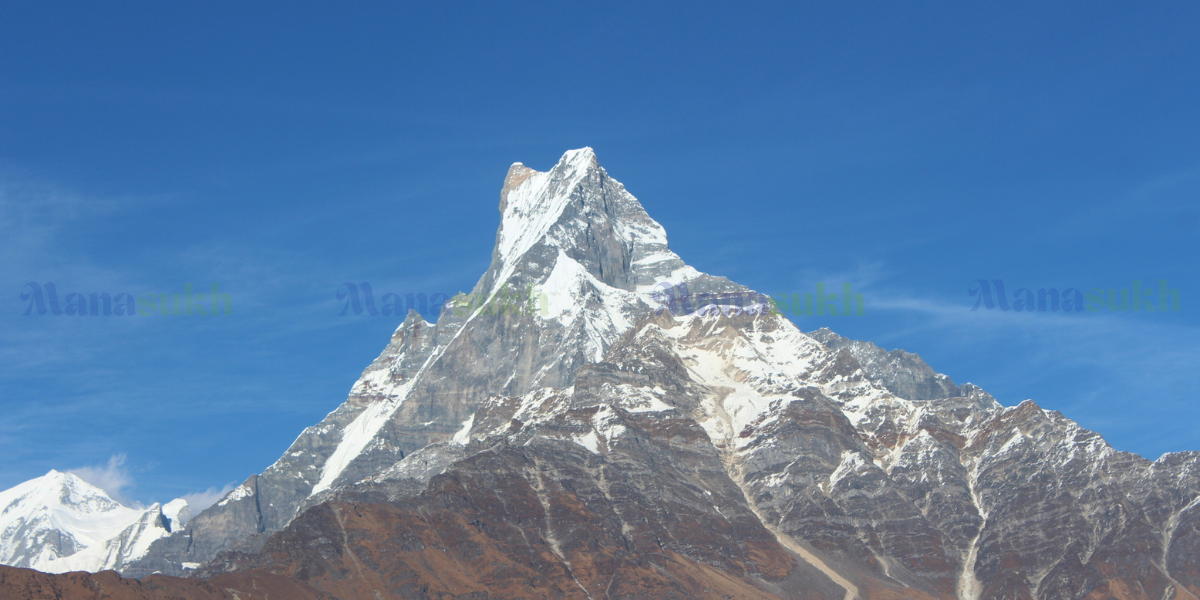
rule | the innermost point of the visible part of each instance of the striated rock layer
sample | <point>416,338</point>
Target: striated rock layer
<point>603,447</point>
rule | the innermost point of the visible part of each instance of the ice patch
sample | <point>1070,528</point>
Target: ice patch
<point>463,435</point>
<point>588,440</point>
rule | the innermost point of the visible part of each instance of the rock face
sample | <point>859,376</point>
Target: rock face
<point>580,437</point>
<point>27,584</point>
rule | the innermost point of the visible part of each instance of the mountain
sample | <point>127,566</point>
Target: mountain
<point>58,523</point>
<point>574,233</point>
<point>612,423</point>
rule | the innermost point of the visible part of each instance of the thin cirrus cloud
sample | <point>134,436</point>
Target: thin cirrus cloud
<point>98,380</point>
<point>1128,376</point>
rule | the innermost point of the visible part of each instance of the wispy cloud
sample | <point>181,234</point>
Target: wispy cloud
<point>1170,197</point>
<point>199,501</point>
<point>114,478</point>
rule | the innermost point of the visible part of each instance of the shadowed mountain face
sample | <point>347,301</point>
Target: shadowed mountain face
<point>603,447</point>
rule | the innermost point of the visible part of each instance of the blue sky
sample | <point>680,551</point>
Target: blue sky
<point>280,150</point>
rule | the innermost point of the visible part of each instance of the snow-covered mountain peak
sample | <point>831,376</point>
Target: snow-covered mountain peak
<point>58,489</point>
<point>576,207</point>
<point>532,201</point>
<point>58,522</point>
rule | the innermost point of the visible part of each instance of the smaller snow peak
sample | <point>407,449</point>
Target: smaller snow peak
<point>178,512</point>
<point>68,489</point>
<point>64,523</point>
